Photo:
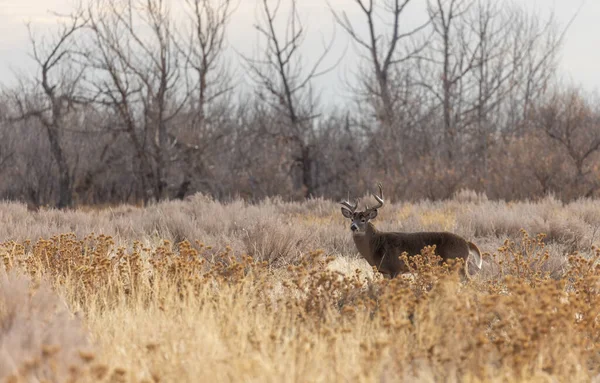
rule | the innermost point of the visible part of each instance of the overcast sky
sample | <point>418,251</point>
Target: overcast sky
<point>580,58</point>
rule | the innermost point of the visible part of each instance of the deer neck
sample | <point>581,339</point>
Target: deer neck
<point>365,244</point>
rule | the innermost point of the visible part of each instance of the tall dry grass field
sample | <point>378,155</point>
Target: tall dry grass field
<point>199,291</point>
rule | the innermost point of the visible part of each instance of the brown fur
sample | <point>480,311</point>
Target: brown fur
<point>383,249</point>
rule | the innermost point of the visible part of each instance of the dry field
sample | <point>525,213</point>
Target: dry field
<point>197,290</point>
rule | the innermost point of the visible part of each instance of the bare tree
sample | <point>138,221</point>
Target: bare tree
<point>138,69</point>
<point>536,42</point>
<point>384,85</point>
<point>202,46</point>
<point>492,60</point>
<point>201,41</point>
<point>573,122</point>
<point>383,51</point>
<point>285,83</point>
<point>7,150</point>
<point>455,52</point>
<point>516,58</point>
<point>483,56</point>
<point>53,94</point>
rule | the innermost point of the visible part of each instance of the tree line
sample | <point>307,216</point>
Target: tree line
<point>134,101</point>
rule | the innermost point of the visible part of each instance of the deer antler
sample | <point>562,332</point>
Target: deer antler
<point>379,198</point>
<point>347,205</point>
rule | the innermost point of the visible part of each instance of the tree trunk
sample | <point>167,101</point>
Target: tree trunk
<point>307,178</point>
<point>65,192</point>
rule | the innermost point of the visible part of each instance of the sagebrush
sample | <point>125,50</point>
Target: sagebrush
<point>204,291</point>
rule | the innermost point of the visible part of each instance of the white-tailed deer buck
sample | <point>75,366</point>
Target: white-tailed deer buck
<point>383,249</point>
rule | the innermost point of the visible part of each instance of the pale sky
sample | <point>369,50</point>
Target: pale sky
<point>580,58</point>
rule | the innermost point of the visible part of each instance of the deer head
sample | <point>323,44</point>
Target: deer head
<point>361,219</point>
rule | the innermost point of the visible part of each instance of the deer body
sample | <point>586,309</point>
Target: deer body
<point>383,249</point>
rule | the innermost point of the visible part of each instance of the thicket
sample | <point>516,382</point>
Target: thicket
<point>135,102</point>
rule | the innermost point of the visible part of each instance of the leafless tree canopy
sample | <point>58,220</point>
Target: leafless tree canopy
<point>136,101</point>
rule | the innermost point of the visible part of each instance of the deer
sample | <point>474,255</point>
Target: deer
<point>383,249</point>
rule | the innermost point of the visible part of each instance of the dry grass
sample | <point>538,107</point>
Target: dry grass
<point>204,291</point>
<point>39,338</point>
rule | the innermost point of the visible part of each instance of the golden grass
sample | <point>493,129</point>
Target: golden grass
<point>438,221</point>
<point>156,310</point>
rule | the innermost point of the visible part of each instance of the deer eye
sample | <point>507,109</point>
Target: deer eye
<point>362,220</point>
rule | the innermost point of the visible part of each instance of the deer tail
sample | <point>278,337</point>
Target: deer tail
<point>474,250</point>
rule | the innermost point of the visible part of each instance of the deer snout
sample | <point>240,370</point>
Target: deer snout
<point>353,227</point>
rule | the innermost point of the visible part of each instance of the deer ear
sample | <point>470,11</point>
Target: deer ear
<point>372,214</point>
<point>346,213</point>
